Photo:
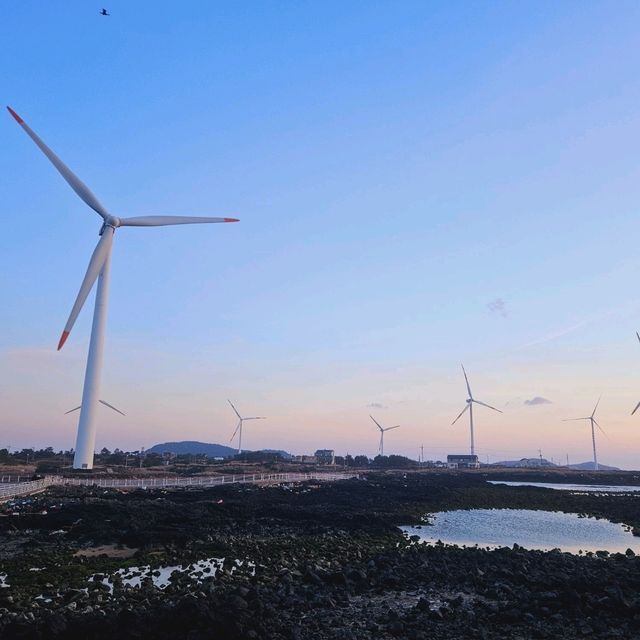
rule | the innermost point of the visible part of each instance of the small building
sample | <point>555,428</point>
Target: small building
<point>464,461</point>
<point>325,456</point>
<point>305,459</point>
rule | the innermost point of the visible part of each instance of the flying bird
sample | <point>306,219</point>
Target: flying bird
<point>104,12</point>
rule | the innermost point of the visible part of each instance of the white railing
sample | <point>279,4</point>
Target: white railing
<point>14,490</point>
<point>204,481</point>
<point>13,479</point>
<point>25,488</point>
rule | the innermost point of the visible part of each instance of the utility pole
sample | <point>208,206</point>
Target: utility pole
<point>540,452</point>
<point>141,456</point>
<point>567,459</point>
<point>421,454</point>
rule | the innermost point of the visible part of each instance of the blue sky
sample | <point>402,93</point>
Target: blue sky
<point>397,168</point>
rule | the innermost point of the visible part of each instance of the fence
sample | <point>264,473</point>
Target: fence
<point>13,479</point>
<point>25,488</point>
<point>203,481</point>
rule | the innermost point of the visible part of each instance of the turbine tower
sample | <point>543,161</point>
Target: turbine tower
<point>594,424</point>
<point>382,430</point>
<point>239,427</point>
<point>469,407</point>
<point>98,270</point>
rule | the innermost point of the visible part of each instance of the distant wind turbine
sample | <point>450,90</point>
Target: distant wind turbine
<point>98,270</point>
<point>469,407</point>
<point>594,424</point>
<point>382,430</point>
<point>638,405</point>
<point>239,427</point>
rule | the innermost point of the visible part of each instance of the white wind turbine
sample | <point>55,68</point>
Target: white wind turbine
<point>638,405</point>
<point>98,270</point>
<point>239,427</point>
<point>594,424</point>
<point>469,407</point>
<point>382,430</point>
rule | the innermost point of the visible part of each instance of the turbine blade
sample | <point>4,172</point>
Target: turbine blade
<point>379,425</point>
<point>106,404</point>
<point>594,409</point>
<point>256,418</point>
<point>236,431</point>
<point>466,406</point>
<point>484,404</point>
<point>74,182</point>
<point>638,405</point>
<point>389,428</point>
<point>604,433</point>
<point>574,419</point>
<point>638,334</point>
<point>236,411</point>
<point>467,381</point>
<point>100,255</point>
<point>161,221</point>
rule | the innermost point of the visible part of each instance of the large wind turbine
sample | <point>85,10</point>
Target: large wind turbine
<point>98,270</point>
<point>594,424</point>
<point>638,405</point>
<point>382,430</point>
<point>239,427</point>
<point>469,407</point>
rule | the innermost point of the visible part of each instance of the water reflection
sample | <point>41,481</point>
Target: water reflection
<point>578,488</point>
<point>544,530</point>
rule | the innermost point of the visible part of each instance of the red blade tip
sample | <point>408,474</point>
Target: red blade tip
<point>231,220</point>
<point>63,339</point>
<point>17,118</point>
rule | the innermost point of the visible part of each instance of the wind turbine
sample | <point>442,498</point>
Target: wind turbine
<point>469,407</point>
<point>382,430</point>
<point>638,405</point>
<point>239,427</point>
<point>98,270</point>
<point>594,424</point>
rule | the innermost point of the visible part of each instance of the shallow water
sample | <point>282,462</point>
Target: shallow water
<point>590,488</point>
<point>544,530</point>
<point>161,576</point>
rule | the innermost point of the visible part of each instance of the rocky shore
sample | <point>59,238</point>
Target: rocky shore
<point>312,560</point>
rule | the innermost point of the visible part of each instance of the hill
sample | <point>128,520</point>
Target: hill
<point>589,466</point>
<point>210,450</point>
<point>194,447</point>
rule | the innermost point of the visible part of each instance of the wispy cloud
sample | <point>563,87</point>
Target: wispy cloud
<point>559,333</point>
<point>499,306</point>
<point>537,400</point>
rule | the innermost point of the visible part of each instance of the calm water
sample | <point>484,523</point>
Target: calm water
<point>543,530</point>
<point>597,488</point>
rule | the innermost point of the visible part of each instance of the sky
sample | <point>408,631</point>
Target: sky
<point>419,185</point>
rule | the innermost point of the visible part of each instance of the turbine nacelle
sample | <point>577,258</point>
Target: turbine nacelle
<point>110,221</point>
